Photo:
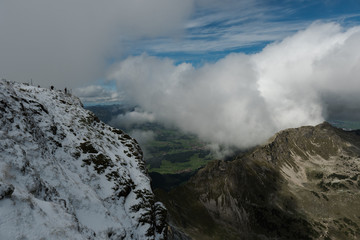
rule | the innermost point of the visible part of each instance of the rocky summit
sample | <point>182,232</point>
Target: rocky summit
<point>66,175</point>
<point>303,184</point>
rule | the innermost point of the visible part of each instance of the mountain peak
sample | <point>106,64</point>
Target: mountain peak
<point>303,184</point>
<point>66,175</point>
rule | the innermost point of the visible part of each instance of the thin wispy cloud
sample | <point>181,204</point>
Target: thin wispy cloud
<point>218,27</point>
<point>234,37</point>
<point>97,94</point>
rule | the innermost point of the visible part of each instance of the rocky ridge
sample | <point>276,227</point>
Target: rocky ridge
<point>66,175</point>
<point>303,184</point>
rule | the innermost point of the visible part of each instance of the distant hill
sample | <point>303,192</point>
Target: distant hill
<point>107,112</point>
<point>346,125</point>
<point>303,184</point>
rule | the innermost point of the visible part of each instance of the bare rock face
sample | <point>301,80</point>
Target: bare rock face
<point>66,175</point>
<point>6,190</point>
<point>303,184</point>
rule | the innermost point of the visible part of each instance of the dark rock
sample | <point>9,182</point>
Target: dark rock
<point>290,188</point>
<point>6,190</point>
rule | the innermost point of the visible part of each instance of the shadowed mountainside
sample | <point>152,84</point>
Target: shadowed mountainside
<point>303,184</point>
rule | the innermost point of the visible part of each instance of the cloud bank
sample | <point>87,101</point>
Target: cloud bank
<point>130,121</point>
<point>68,43</point>
<point>241,100</point>
<point>133,118</point>
<point>142,136</point>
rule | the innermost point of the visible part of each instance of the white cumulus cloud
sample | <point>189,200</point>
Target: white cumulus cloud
<point>241,100</point>
<point>130,119</point>
<point>143,136</point>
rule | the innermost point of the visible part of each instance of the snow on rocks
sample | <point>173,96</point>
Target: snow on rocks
<point>66,175</point>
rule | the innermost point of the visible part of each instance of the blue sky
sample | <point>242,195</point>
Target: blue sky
<point>214,32</point>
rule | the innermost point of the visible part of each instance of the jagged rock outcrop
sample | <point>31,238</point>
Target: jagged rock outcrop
<point>66,175</point>
<point>303,184</point>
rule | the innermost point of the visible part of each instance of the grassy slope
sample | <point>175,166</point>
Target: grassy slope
<point>173,151</point>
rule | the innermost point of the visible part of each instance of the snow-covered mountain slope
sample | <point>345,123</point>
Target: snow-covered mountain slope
<point>66,175</point>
